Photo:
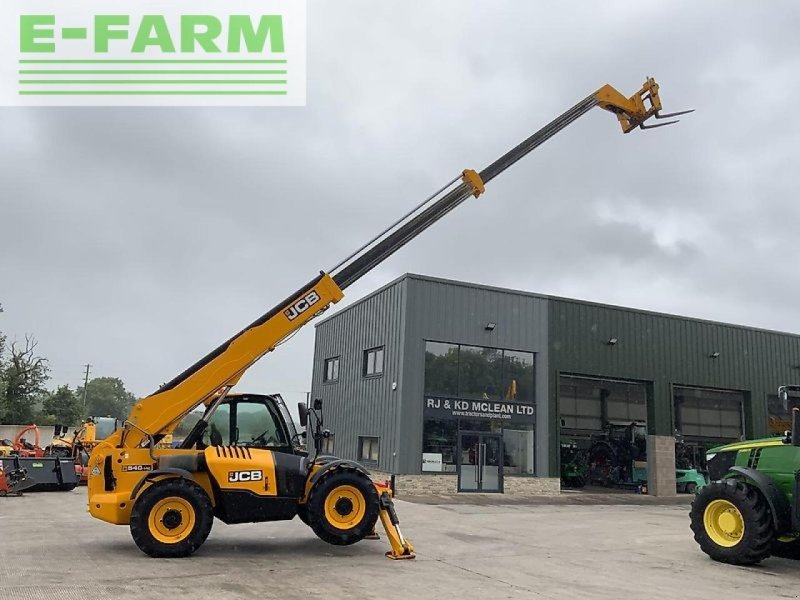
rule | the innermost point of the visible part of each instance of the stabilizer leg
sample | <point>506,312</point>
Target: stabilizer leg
<point>401,547</point>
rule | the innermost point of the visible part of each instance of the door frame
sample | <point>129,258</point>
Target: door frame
<point>501,460</point>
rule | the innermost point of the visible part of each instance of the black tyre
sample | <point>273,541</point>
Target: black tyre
<point>691,487</point>
<point>732,523</point>
<point>343,507</point>
<point>789,548</point>
<point>171,519</point>
<point>302,512</point>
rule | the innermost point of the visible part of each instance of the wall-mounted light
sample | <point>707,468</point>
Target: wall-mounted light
<point>490,326</point>
<point>714,355</point>
<point>611,341</point>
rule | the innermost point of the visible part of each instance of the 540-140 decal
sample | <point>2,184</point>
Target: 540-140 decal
<point>135,468</point>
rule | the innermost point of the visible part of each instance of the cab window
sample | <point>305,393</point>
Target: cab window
<point>218,432</point>
<point>258,426</point>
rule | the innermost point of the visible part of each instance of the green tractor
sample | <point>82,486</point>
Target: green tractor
<point>752,508</point>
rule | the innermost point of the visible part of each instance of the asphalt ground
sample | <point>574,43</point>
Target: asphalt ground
<point>483,547</point>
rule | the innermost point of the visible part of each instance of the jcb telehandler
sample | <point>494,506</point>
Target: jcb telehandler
<point>240,462</point>
<point>752,508</point>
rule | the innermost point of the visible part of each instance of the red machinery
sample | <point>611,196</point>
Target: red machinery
<point>14,481</point>
<point>23,448</point>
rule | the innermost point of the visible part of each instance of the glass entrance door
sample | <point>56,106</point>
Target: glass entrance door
<point>480,462</point>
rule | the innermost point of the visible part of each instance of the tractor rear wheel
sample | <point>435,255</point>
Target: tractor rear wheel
<point>343,507</point>
<point>732,523</point>
<point>171,519</point>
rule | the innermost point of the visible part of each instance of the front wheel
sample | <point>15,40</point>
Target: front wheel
<point>302,513</point>
<point>171,519</point>
<point>732,522</point>
<point>343,507</point>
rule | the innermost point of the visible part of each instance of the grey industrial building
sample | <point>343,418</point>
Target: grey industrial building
<point>453,386</point>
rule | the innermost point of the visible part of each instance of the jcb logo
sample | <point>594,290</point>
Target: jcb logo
<point>244,476</point>
<point>301,306</point>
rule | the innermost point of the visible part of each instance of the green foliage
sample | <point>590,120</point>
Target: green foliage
<point>107,397</point>
<point>63,407</point>
<point>24,375</point>
<point>482,373</point>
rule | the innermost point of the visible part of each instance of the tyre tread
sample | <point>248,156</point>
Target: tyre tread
<point>759,536</point>
<point>177,486</point>
<point>316,507</point>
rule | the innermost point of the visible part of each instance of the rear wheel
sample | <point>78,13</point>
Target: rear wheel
<point>171,519</point>
<point>343,507</point>
<point>691,488</point>
<point>732,522</point>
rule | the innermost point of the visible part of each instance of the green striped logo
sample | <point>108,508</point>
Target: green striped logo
<point>116,52</point>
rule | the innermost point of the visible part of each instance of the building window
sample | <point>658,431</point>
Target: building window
<point>439,445</point>
<point>331,369</point>
<point>518,449</point>
<point>459,379</point>
<point>369,449</point>
<point>474,372</point>
<point>373,362</point>
<point>327,444</point>
<point>779,417</point>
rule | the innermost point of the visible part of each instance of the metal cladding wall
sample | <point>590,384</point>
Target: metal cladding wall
<point>448,311</point>
<point>356,405</point>
<point>668,350</point>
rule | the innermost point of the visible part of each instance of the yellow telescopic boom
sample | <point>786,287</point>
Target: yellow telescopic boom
<point>218,371</point>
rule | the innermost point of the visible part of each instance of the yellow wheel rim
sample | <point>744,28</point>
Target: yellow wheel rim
<point>724,523</point>
<point>171,520</point>
<point>345,507</point>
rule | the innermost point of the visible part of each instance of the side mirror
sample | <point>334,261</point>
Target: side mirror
<point>317,403</point>
<point>783,396</point>
<point>302,410</point>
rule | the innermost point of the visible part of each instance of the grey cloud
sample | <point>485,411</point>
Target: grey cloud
<point>138,239</point>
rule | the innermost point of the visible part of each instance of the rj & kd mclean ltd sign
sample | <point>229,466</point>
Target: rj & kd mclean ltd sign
<point>453,408</point>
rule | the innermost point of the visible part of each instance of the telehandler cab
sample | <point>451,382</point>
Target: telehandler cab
<point>240,462</point>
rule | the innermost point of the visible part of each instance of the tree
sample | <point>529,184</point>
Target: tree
<point>63,407</point>
<point>107,397</point>
<point>2,382</point>
<point>25,375</point>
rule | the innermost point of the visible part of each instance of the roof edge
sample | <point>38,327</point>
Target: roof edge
<point>478,286</point>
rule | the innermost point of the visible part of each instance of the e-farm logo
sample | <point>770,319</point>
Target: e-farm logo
<point>152,52</point>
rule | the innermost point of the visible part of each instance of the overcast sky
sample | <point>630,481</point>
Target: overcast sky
<point>138,239</point>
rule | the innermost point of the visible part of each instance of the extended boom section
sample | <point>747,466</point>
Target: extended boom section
<point>242,460</point>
